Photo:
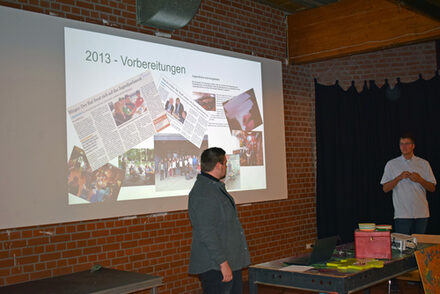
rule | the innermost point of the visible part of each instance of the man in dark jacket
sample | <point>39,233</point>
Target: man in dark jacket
<point>219,250</point>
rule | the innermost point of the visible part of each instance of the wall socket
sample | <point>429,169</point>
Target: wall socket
<point>309,245</point>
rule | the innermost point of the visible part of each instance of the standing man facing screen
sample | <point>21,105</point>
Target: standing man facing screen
<point>409,177</point>
<point>219,250</point>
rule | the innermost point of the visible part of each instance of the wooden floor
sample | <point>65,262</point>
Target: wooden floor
<point>400,287</point>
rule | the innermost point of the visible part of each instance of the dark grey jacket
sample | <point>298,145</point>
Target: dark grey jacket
<point>217,234</point>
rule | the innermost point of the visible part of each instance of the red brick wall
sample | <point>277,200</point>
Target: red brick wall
<point>160,244</point>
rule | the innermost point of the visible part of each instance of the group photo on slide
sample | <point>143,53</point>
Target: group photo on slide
<point>138,166</point>
<point>177,161</point>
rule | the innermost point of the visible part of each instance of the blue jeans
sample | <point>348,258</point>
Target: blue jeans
<point>410,226</point>
<point>212,283</point>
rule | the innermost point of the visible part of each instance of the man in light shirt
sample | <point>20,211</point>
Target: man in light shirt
<point>409,177</point>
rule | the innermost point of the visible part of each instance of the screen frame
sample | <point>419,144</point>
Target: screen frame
<point>33,124</point>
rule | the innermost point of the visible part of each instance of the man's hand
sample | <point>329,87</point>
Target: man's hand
<point>388,186</point>
<point>226,272</point>
<point>415,177</point>
<point>404,175</point>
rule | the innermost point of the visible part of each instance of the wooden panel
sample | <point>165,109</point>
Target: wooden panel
<point>354,26</point>
<point>428,261</point>
<point>424,238</point>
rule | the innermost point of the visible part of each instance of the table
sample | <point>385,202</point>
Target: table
<point>102,281</point>
<point>325,279</point>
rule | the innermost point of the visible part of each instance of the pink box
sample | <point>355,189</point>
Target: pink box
<point>373,244</point>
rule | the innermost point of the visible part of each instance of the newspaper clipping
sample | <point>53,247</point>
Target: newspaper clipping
<point>119,118</point>
<point>186,116</point>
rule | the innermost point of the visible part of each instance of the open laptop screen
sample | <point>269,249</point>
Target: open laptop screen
<point>322,251</point>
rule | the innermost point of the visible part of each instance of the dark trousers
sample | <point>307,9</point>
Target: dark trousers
<point>212,283</point>
<point>410,226</point>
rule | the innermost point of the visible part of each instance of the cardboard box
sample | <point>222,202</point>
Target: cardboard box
<point>374,244</point>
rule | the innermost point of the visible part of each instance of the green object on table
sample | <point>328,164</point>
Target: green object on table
<point>95,268</point>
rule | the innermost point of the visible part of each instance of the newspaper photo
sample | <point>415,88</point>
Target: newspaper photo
<point>185,115</point>
<point>118,118</point>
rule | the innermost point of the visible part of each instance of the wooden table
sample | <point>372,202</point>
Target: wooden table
<point>101,281</point>
<point>325,279</point>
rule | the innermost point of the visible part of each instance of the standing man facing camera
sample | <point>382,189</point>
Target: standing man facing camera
<point>219,250</point>
<point>409,177</point>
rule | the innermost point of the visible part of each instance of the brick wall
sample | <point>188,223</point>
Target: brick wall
<point>160,244</point>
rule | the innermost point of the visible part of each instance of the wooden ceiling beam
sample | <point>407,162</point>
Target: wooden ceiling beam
<point>350,27</point>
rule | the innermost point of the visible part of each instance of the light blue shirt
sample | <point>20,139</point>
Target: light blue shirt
<point>409,198</point>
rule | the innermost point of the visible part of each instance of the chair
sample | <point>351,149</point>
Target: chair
<point>414,276</point>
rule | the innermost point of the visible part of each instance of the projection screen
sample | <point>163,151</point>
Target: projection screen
<point>99,122</point>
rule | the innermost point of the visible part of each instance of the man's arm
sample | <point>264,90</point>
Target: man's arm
<point>226,271</point>
<point>415,177</point>
<point>388,186</point>
<point>205,219</point>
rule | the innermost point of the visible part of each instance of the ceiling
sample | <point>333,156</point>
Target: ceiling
<point>317,29</point>
<point>428,7</point>
<point>292,6</point>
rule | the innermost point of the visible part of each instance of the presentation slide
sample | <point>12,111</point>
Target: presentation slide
<point>99,122</point>
<point>139,114</point>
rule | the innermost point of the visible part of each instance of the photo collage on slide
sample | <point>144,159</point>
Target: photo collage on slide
<point>173,162</point>
<point>142,136</point>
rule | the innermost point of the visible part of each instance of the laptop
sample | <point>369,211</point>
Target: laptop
<point>322,251</point>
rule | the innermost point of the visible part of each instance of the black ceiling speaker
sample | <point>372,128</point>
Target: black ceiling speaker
<point>166,14</point>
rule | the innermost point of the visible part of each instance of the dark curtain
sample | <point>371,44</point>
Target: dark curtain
<point>356,134</point>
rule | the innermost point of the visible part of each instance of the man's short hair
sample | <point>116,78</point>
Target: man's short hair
<point>210,157</point>
<point>408,136</point>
